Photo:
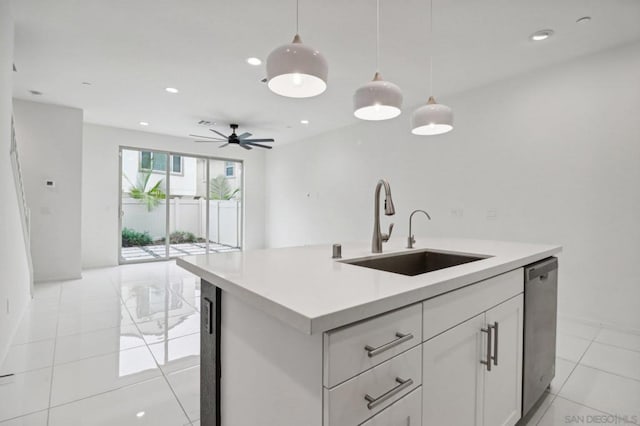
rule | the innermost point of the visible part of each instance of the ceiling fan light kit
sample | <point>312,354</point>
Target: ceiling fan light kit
<point>377,100</point>
<point>242,140</point>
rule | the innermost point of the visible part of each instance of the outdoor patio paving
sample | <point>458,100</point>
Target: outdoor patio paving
<point>175,250</point>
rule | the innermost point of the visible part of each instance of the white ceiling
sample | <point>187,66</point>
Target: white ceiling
<point>130,50</point>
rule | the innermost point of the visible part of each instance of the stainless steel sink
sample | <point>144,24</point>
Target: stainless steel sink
<point>415,262</point>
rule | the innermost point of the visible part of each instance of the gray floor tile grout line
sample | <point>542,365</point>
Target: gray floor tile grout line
<point>616,346</point>
<point>53,360</point>
<point>103,393</point>
<point>622,376</point>
<point>166,379</point>
<point>579,363</point>
<point>30,413</point>
<point>557,394</point>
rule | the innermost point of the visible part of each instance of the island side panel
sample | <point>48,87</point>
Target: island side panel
<point>210,371</point>
<point>271,372</point>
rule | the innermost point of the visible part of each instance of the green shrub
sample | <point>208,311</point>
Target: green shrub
<point>179,237</point>
<point>131,238</point>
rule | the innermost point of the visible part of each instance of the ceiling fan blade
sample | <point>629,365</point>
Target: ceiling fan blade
<point>206,137</point>
<point>244,135</point>
<point>257,144</point>
<point>245,146</point>
<point>217,132</point>
<point>209,141</point>
<point>258,140</point>
<point>223,145</point>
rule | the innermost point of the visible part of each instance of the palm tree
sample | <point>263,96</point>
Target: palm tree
<point>221,190</point>
<point>151,198</point>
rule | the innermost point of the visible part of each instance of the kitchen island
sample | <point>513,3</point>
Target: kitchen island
<point>293,337</point>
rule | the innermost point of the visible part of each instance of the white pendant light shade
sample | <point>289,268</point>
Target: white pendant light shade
<point>432,119</point>
<point>377,100</point>
<point>296,70</point>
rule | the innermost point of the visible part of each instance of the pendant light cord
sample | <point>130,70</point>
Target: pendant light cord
<point>377,35</point>
<point>297,16</point>
<point>430,47</point>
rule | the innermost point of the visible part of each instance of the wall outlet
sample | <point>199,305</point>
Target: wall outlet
<point>50,183</point>
<point>492,214</point>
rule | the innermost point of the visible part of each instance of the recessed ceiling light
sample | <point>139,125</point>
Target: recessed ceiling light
<point>144,123</point>
<point>584,19</point>
<point>254,61</point>
<point>35,93</point>
<point>171,90</point>
<point>86,83</point>
<point>541,35</point>
<point>304,121</point>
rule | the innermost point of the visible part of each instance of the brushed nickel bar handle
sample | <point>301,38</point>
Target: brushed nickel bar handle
<point>495,343</point>
<point>489,345</point>
<point>401,338</point>
<point>374,402</point>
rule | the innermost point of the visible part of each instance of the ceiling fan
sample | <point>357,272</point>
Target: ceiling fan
<point>242,140</point>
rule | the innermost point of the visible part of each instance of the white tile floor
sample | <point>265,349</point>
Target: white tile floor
<point>121,347</point>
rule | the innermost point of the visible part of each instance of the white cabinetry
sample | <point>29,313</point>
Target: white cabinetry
<point>503,384</point>
<point>472,373</point>
<point>468,371</point>
<point>453,376</point>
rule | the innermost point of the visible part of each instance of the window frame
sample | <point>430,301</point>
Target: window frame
<point>232,165</point>
<point>170,163</point>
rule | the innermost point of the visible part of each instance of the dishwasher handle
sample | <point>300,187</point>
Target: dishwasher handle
<point>541,269</point>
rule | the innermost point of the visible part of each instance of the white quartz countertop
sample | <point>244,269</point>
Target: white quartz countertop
<point>308,290</point>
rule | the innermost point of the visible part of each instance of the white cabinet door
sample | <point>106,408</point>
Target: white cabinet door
<point>452,376</point>
<point>503,384</point>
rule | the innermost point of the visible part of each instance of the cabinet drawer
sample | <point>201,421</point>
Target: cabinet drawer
<point>405,412</point>
<point>353,349</point>
<point>443,312</point>
<point>365,395</point>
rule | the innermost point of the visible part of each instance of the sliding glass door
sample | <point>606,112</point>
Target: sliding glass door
<point>173,205</point>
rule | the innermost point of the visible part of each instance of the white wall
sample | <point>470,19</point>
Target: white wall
<point>555,153</point>
<point>14,275</point>
<point>50,138</point>
<point>100,186</point>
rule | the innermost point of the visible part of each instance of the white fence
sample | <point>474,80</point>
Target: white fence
<point>225,219</point>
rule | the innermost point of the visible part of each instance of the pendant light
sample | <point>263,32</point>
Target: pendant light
<point>432,118</point>
<point>296,70</point>
<point>378,99</point>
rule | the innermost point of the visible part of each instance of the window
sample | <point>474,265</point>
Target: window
<point>157,162</point>
<point>230,169</point>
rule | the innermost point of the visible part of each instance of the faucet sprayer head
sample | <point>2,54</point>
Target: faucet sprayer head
<point>389,208</point>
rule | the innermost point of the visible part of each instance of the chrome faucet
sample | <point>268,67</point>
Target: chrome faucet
<point>389,210</point>
<point>411,240</point>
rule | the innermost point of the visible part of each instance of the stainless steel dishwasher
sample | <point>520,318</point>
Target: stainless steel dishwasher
<point>540,318</point>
